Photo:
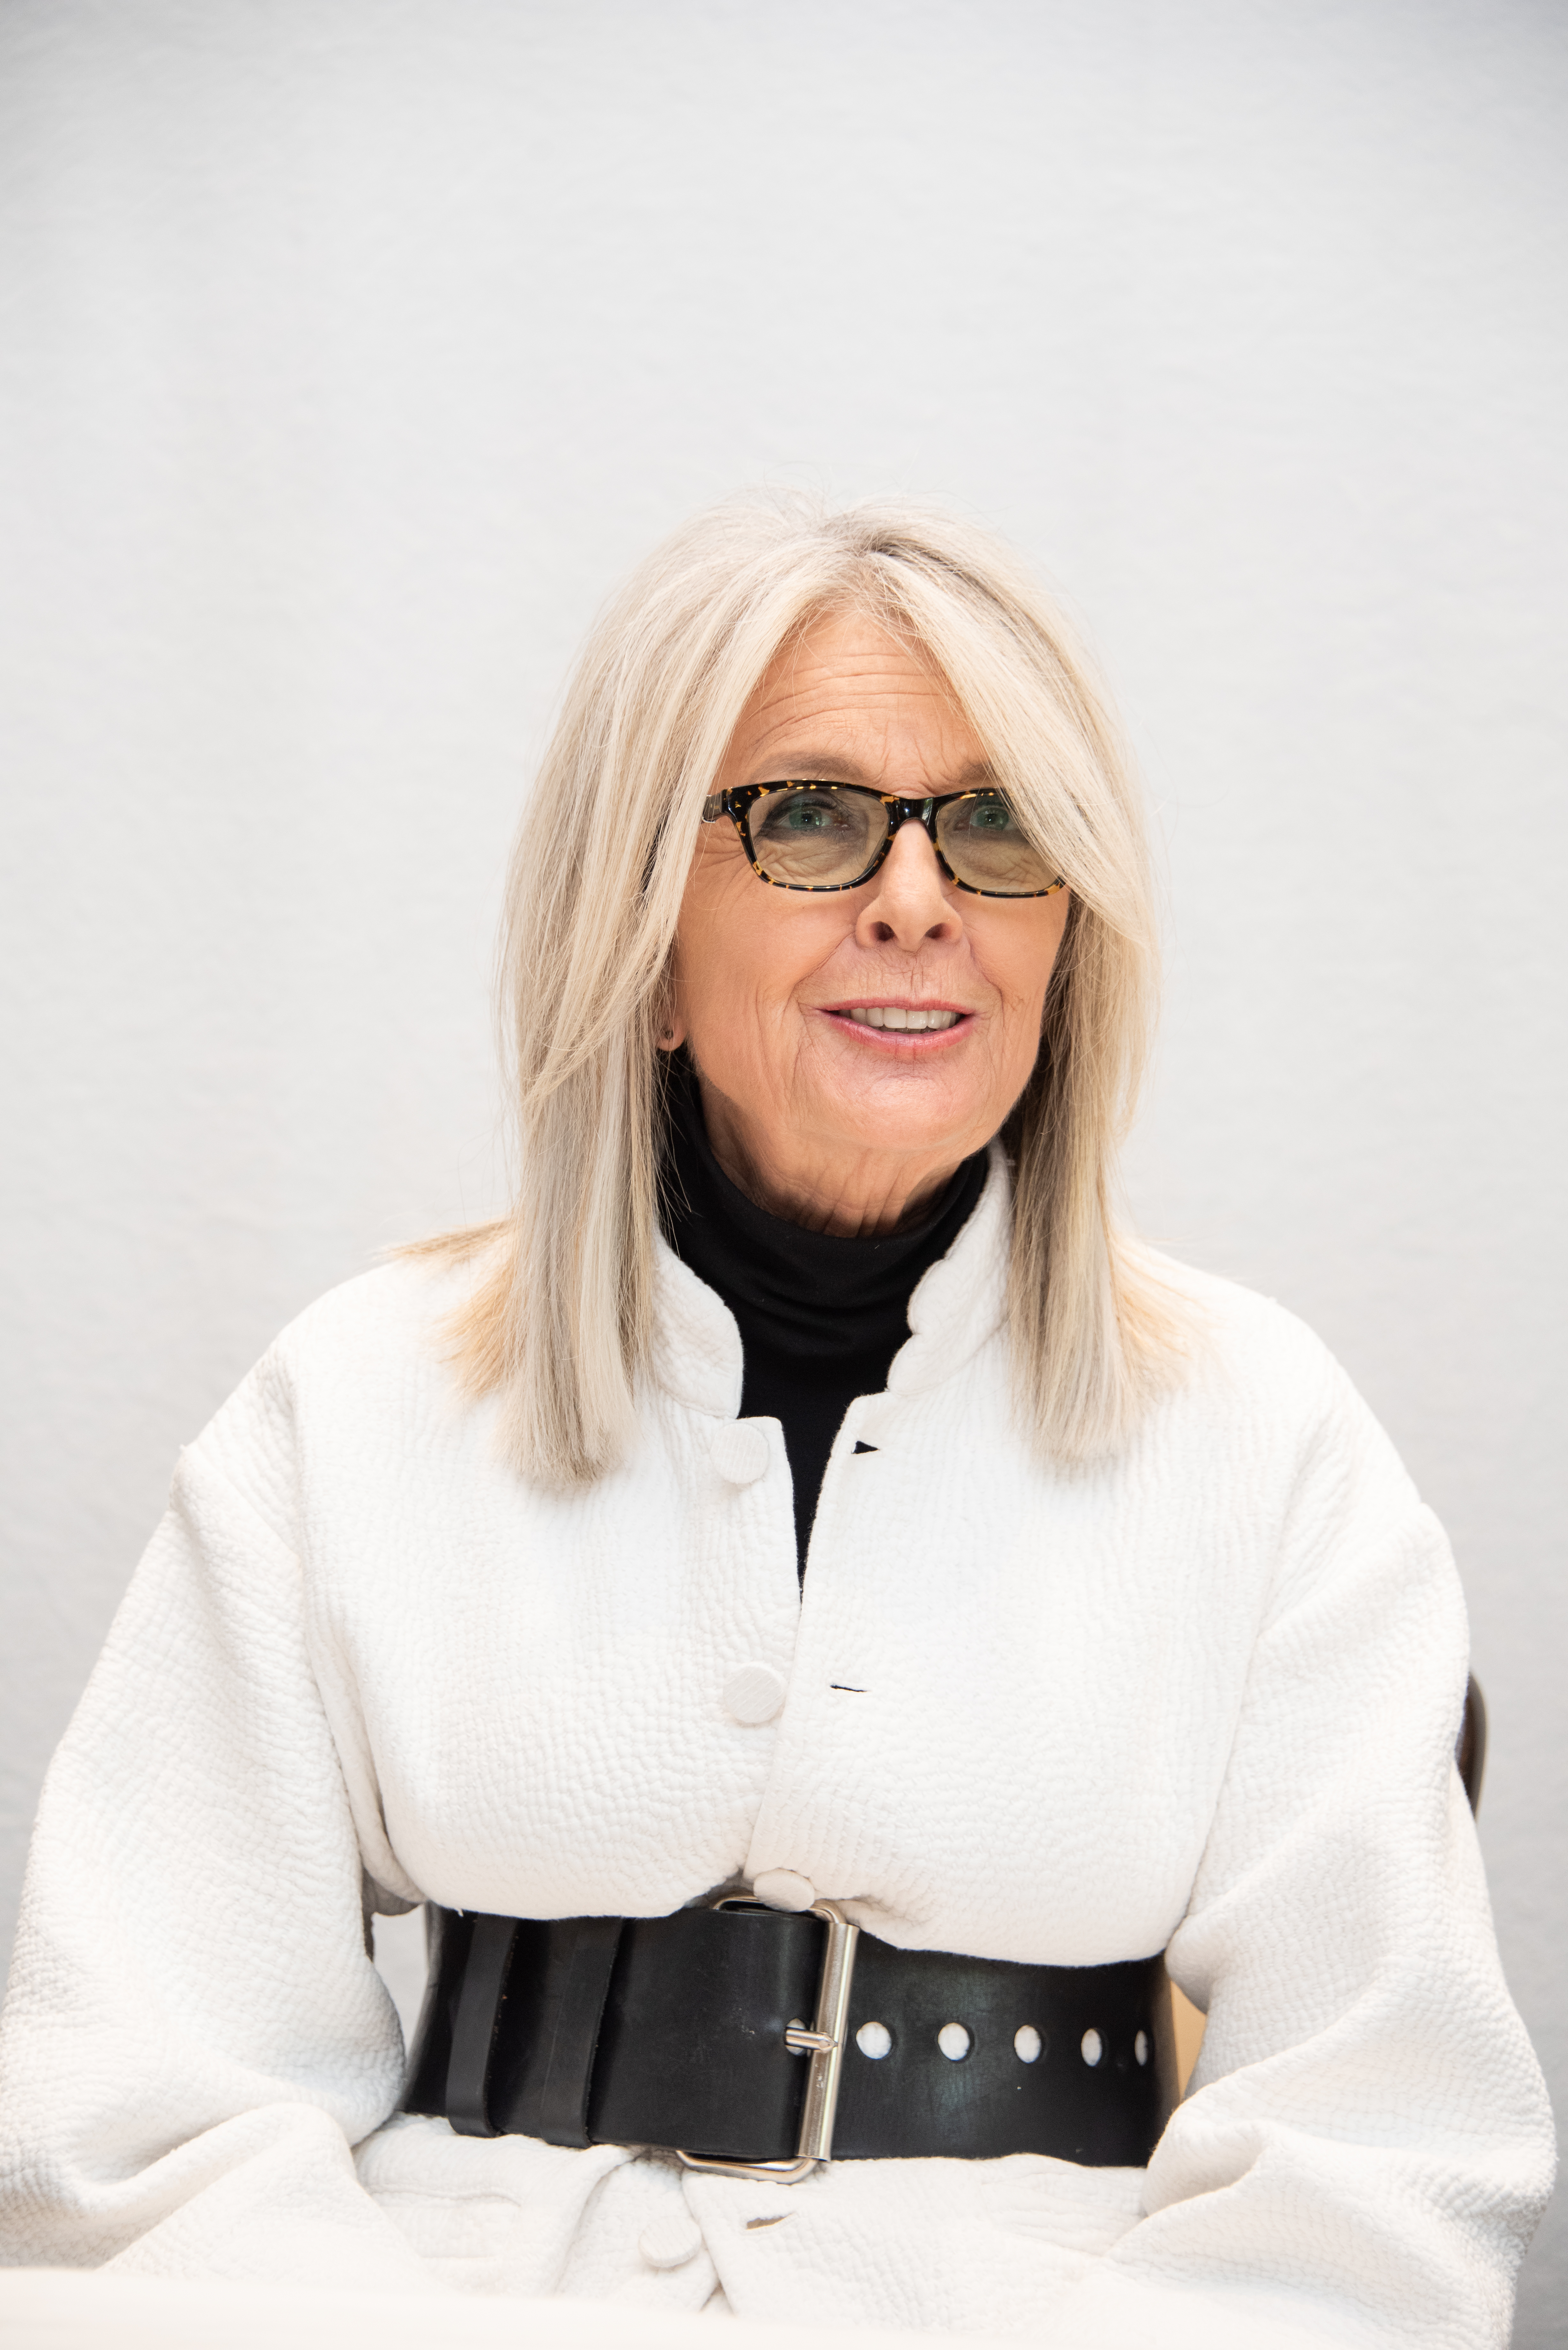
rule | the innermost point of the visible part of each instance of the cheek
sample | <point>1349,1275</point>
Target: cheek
<point>1018,958</point>
<point>743,950</point>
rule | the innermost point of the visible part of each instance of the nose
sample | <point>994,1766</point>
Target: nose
<point>912,900</point>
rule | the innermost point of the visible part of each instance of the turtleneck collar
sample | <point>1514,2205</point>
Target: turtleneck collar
<point>820,1316</point>
<point>823,1294</point>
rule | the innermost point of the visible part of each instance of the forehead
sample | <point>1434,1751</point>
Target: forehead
<point>851,693</point>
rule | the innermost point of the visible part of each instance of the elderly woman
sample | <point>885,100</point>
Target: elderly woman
<point>823,1621</point>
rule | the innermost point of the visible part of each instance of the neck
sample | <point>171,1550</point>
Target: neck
<point>854,1194</point>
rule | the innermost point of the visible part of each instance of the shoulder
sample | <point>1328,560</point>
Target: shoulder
<point>397,1309</point>
<point>359,1370</point>
<point>1264,1407</point>
<point>1248,1361</point>
<point>1230,1331</point>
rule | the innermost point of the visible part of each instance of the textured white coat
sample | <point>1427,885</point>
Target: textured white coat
<point>1203,1696</point>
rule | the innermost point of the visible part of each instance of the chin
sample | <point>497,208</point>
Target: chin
<point>873,1119</point>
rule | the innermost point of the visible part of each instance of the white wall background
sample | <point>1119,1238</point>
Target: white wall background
<point>350,348</point>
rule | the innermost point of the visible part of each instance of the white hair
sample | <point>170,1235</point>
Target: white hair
<point>560,1318</point>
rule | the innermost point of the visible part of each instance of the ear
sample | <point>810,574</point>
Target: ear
<point>669,1023</point>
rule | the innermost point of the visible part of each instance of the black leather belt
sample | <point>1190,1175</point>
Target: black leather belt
<point>687,2033</point>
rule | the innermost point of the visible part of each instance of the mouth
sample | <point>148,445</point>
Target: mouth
<point>919,1026</point>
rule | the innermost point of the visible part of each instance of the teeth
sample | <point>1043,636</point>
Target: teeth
<point>893,1015</point>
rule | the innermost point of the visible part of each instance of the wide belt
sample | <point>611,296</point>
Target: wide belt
<point>689,2032</point>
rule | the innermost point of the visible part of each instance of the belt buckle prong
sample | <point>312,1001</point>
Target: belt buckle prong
<point>824,2043</point>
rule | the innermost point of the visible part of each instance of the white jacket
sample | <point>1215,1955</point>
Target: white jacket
<point>1204,1696</point>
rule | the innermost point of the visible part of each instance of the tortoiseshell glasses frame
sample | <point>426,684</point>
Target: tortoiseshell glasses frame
<point>942,817</point>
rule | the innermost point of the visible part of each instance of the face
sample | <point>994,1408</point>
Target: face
<point>817,1112</point>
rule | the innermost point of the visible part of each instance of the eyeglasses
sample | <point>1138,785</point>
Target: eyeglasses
<point>804,836</point>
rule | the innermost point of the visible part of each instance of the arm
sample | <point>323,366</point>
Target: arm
<point>1367,2144</point>
<point>195,2036</point>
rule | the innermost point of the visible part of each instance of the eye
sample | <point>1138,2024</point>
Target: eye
<point>808,816</point>
<point>814,838</point>
<point>805,815</point>
<point>993,817</point>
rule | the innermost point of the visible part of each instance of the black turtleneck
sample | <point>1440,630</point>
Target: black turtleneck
<point>821,1316</point>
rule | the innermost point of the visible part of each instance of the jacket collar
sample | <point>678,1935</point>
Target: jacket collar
<point>957,1306</point>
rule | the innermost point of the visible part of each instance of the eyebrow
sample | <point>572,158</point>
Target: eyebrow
<point>829,767</point>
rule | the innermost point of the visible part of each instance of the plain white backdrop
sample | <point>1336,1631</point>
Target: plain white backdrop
<point>350,349</point>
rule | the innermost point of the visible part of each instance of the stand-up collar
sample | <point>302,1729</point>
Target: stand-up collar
<point>955,1308</point>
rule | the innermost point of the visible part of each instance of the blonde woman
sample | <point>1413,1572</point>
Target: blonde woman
<point>822,1620</point>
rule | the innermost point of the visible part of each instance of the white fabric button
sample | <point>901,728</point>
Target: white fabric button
<point>954,2043</point>
<point>1026,2040</point>
<point>781,1889</point>
<point>754,1693</point>
<point>740,1451</point>
<point>671,2240</point>
<point>874,2039</point>
<point>1094,2048</point>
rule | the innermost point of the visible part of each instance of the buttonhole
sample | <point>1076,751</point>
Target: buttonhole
<point>861,1446</point>
<point>769,2223</point>
<point>847,1689</point>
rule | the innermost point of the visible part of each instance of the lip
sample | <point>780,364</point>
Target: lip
<point>922,1041</point>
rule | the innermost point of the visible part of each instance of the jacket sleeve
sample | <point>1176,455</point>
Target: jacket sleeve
<point>1366,2144</point>
<point>195,2037</point>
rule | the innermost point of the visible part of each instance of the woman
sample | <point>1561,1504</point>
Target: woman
<point>883,1544</point>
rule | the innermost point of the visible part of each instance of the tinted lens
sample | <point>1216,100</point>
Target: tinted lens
<point>815,836</point>
<point>987,848</point>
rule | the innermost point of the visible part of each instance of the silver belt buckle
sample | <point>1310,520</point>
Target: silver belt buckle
<point>825,2044</point>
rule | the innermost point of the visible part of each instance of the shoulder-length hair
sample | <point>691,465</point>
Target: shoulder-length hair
<point>559,1320</point>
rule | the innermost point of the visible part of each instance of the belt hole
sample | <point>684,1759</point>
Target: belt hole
<point>954,2043</point>
<point>874,2039</point>
<point>1028,2042</point>
<point>1140,2048</point>
<point>1093,2046</point>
